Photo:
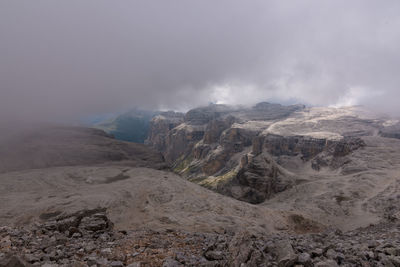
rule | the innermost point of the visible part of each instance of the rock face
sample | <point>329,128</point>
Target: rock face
<point>258,178</point>
<point>160,126</point>
<point>334,154</point>
<point>83,221</point>
<point>243,152</point>
<point>309,147</point>
<point>215,128</point>
<point>323,152</point>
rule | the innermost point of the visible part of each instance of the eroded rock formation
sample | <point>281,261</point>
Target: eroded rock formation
<point>258,178</point>
<point>210,144</point>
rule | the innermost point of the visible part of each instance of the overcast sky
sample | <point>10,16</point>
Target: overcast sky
<point>70,58</point>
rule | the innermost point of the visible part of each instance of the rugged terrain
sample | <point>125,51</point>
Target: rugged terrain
<point>290,185</point>
<point>66,170</point>
<point>87,238</point>
<point>337,165</point>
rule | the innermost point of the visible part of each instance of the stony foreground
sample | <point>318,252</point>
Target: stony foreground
<point>87,238</point>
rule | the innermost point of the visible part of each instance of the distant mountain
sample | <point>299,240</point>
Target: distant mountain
<point>132,126</point>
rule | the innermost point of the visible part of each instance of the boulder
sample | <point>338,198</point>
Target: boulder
<point>285,254</point>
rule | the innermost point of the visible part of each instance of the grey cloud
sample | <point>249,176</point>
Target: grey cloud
<point>63,59</point>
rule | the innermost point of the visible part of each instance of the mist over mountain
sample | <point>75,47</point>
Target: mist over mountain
<point>255,133</point>
<point>130,126</point>
<point>61,61</point>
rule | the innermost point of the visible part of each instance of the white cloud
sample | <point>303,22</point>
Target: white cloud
<point>357,95</point>
<point>179,54</point>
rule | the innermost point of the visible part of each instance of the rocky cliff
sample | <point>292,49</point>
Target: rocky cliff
<point>253,153</point>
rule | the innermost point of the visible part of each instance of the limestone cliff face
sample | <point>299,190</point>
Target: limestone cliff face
<point>160,127</point>
<point>215,128</point>
<point>259,176</point>
<point>334,154</point>
<point>309,147</point>
<point>239,151</point>
<point>207,145</point>
<point>181,140</point>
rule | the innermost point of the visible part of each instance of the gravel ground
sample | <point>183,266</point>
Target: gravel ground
<point>87,238</point>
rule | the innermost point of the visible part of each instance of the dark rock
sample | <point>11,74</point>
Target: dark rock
<point>94,223</point>
<point>317,252</point>
<point>213,255</point>
<point>261,177</point>
<point>13,261</point>
<point>181,257</point>
<point>116,264</point>
<point>305,259</point>
<point>257,145</point>
<point>31,258</point>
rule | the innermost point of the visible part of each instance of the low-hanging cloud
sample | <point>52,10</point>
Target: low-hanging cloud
<point>65,59</point>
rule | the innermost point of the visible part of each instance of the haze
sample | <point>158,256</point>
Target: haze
<point>67,59</point>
